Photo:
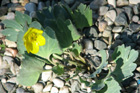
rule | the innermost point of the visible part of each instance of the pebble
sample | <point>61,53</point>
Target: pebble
<point>10,43</point>
<point>106,33</point>
<point>134,1</point>
<point>134,27</point>
<point>100,45</point>
<point>117,29</point>
<point>41,5</point>
<point>48,87</point>
<point>109,21</point>
<point>129,11</point>
<point>122,3</point>
<point>38,88</point>
<point>116,36</point>
<point>111,14</point>
<point>14,68</point>
<point>30,7</point>
<point>135,18</point>
<point>88,44</point>
<point>9,87</point>
<point>75,86</point>
<point>119,10</point>
<point>91,32</point>
<point>20,90</point>
<point>65,89</point>
<point>3,71</point>
<point>103,10</point>
<point>102,25</point>
<point>12,80</point>
<point>121,19</point>
<point>138,69</point>
<point>10,16</point>
<point>47,75</point>
<point>54,90</point>
<point>7,53</point>
<point>136,9</point>
<point>58,82</point>
<point>34,1</point>
<point>2,89</point>
<point>3,63</point>
<point>95,4</point>
<point>112,2</point>
<point>92,52</point>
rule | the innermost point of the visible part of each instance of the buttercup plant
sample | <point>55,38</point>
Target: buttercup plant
<point>54,34</point>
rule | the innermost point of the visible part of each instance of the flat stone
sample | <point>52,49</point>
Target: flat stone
<point>2,89</point>
<point>119,10</point>
<point>136,9</point>
<point>10,43</point>
<point>135,18</point>
<point>95,4</point>
<point>54,90</point>
<point>121,19</point>
<point>91,32</point>
<point>134,27</point>
<point>129,11</point>
<point>88,44</point>
<point>103,10</point>
<point>106,33</point>
<point>75,86</point>
<point>9,87</point>
<point>58,82</point>
<point>122,3</point>
<point>116,36</point>
<point>117,29</point>
<point>109,21</point>
<point>102,25</point>
<point>10,15</point>
<point>38,88</point>
<point>46,75</point>
<point>3,71</point>
<point>47,87</point>
<point>12,80</point>
<point>112,2</point>
<point>20,90</point>
<point>100,45</point>
<point>111,14</point>
<point>134,1</point>
<point>65,89</point>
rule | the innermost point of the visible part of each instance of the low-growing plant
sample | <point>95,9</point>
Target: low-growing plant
<point>55,33</point>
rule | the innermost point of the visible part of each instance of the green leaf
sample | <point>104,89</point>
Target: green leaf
<point>77,49</point>
<point>35,24</point>
<point>30,71</point>
<point>10,34</point>
<point>82,16</point>
<point>58,69</point>
<point>124,58</point>
<point>102,65</point>
<point>13,24</point>
<point>51,46</point>
<point>27,18</point>
<point>112,86</point>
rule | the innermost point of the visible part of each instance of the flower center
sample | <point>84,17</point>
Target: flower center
<point>33,36</point>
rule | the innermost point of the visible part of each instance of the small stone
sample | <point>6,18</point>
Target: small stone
<point>20,90</point>
<point>58,82</point>
<point>12,80</point>
<point>30,7</point>
<point>75,86</point>
<point>65,89</point>
<point>102,25</point>
<point>14,68</point>
<point>7,53</point>
<point>134,27</point>
<point>69,1</point>
<point>91,32</point>
<point>135,18</point>
<point>117,29</point>
<point>122,3</point>
<point>136,9</point>
<point>12,51</point>
<point>48,87</point>
<point>111,14</point>
<point>88,44</point>
<point>121,19</point>
<point>119,10</point>
<point>38,88</point>
<point>3,71</point>
<point>89,89</point>
<point>9,87</point>
<point>133,84</point>
<point>41,5</point>
<point>109,21</point>
<point>106,33</point>
<point>3,80</point>
<point>2,89</point>
<point>103,10</point>
<point>54,90</point>
<point>3,10</point>
<point>97,3</point>
<point>34,1</point>
<point>112,2</point>
<point>129,11</point>
<point>138,69</point>
<point>100,45</point>
<point>47,75</point>
<point>10,43</point>
<point>116,36</point>
<point>92,52</point>
<point>10,16</point>
<point>134,1</point>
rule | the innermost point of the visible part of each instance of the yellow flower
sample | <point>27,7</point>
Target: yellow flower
<point>33,39</point>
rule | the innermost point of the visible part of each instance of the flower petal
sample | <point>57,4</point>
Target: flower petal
<point>41,40</point>
<point>35,47</point>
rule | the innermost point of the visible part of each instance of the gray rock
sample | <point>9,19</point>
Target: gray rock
<point>121,19</point>
<point>48,87</point>
<point>3,10</point>
<point>3,71</point>
<point>134,27</point>
<point>136,9</point>
<point>91,32</point>
<point>2,89</point>
<point>41,5</point>
<point>129,12</point>
<point>95,4</point>
<point>119,10</point>
<point>109,21</point>
<point>75,86</point>
<point>117,29</point>
<point>111,14</point>
<point>99,44</point>
<point>38,88</point>
<point>134,1</point>
<point>122,3</point>
<point>135,18</point>
<point>92,52</point>
<point>30,7</point>
<point>102,25</point>
<point>9,87</point>
<point>88,44</point>
<point>20,90</point>
<point>10,15</point>
<point>112,2</point>
<point>103,10</point>
<point>69,1</point>
<point>106,33</point>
